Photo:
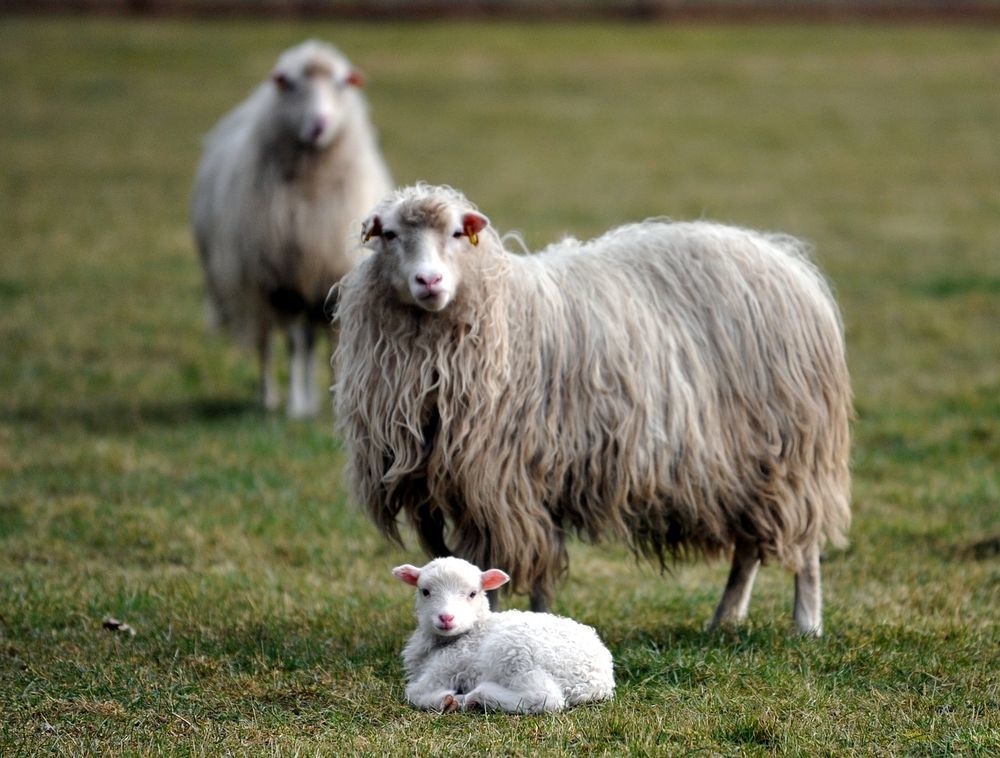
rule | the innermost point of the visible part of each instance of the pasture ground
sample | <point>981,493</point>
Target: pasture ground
<point>138,480</point>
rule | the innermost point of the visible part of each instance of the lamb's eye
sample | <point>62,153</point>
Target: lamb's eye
<point>426,592</point>
<point>458,234</point>
<point>388,235</point>
<point>472,594</point>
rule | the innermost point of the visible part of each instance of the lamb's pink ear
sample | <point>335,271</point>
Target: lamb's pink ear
<point>355,78</point>
<point>494,578</point>
<point>407,573</point>
<point>372,227</point>
<point>472,224</point>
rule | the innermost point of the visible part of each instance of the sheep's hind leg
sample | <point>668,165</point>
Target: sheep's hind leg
<point>268,390</point>
<point>535,692</point>
<point>808,612</point>
<point>736,597</point>
<point>301,400</point>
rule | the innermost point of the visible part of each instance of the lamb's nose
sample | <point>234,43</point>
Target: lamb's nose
<point>446,618</point>
<point>429,279</point>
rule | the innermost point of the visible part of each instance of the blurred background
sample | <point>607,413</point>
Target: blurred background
<point>138,479</point>
<point>731,10</point>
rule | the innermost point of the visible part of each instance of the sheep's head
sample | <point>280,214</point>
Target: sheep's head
<point>451,594</point>
<point>423,236</point>
<point>312,82</point>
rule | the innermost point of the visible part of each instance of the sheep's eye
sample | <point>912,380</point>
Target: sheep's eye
<point>472,594</point>
<point>458,234</point>
<point>284,82</point>
<point>426,592</point>
<point>388,235</point>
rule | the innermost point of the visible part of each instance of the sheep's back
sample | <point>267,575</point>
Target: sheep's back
<point>691,379</point>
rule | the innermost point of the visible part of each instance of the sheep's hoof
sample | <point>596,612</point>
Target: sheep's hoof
<point>449,704</point>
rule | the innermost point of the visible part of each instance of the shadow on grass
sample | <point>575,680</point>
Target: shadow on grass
<point>122,417</point>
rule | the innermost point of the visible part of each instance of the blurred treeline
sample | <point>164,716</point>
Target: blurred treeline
<point>974,11</point>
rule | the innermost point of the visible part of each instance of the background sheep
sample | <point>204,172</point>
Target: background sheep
<point>281,179</point>
<point>681,385</point>
<point>463,656</point>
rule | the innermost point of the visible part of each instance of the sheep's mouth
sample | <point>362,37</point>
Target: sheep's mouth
<point>310,145</point>
<point>431,299</point>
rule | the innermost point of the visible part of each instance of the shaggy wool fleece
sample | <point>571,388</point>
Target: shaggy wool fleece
<point>680,385</point>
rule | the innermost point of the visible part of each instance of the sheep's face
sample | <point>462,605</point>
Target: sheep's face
<point>451,594</point>
<point>422,248</point>
<point>312,95</point>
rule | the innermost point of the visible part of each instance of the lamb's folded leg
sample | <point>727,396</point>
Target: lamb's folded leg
<point>534,692</point>
<point>430,693</point>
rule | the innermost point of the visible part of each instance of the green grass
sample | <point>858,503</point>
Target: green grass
<point>138,480</point>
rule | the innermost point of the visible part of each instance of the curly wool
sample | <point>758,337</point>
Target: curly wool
<point>680,385</point>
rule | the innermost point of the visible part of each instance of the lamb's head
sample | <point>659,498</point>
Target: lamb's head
<point>424,238</point>
<point>313,84</point>
<point>451,594</point>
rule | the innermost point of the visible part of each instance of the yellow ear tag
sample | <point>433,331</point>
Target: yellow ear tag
<point>368,236</point>
<point>473,237</point>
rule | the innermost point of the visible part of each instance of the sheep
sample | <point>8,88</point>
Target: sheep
<point>682,386</point>
<point>282,179</point>
<point>463,656</point>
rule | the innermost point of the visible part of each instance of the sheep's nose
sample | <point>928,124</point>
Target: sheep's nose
<point>428,280</point>
<point>318,126</point>
<point>446,618</point>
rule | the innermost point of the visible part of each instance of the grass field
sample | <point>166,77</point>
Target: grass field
<point>138,480</point>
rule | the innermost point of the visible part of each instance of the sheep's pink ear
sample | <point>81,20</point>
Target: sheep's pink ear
<point>371,228</point>
<point>472,225</point>
<point>494,578</point>
<point>355,78</point>
<point>407,573</point>
<point>281,81</point>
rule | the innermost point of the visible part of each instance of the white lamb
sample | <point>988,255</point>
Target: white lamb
<point>284,179</point>
<point>463,656</point>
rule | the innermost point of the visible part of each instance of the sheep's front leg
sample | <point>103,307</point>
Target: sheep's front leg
<point>301,391</point>
<point>736,597</point>
<point>311,390</point>
<point>539,600</point>
<point>269,396</point>
<point>808,612</point>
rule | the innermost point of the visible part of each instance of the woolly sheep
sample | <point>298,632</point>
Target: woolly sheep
<point>463,656</point>
<point>282,178</point>
<point>679,385</point>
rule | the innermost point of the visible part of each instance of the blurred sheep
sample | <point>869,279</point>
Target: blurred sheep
<point>282,179</point>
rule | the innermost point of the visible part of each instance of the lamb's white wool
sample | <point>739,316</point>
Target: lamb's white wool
<point>463,656</point>
<point>682,385</point>
<point>284,181</point>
